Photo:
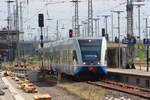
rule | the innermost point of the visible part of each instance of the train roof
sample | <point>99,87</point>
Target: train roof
<point>77,38</point>
<point>68,41</point>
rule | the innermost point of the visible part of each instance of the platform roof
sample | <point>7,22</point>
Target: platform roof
<point>134,72</point>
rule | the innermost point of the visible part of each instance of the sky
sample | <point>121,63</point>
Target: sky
<point>63,12</point>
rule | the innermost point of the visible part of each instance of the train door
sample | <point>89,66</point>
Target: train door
<point>75,60</point>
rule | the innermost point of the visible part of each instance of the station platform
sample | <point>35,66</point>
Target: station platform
<point>16,93</point>
<point>136,72</point>
<point>138,77</point>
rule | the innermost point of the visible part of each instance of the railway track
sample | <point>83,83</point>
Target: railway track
<point>125,88</point>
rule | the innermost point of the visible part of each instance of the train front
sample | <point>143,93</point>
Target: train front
<point>93,64</point>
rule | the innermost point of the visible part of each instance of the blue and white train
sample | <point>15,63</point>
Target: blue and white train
<point>81,57</point>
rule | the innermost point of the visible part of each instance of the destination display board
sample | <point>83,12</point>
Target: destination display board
<point>129,41</point>
<point>146,41</point>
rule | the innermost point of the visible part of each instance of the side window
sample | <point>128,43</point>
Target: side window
<point>64,56</point>
<point>58,57</point>
<point>137,81</point>
<point>70,57</point>
<point>147,83</point>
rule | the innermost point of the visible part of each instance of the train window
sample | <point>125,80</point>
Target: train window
<point>57,57</point>
<point>137,81</point>
<point>126,79</point>
<point>68,54</point>
<point>147,83</point>
<point>90,50</point>
<point>70,57</point>
<point>64,60</point>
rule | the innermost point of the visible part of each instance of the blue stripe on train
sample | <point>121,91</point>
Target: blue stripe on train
<point>100,70</point>
<point>76,70</point>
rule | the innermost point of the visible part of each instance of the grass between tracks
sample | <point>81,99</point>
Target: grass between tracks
<point>83,90</point>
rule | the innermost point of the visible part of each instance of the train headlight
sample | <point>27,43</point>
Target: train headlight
<point>84,63</point>
<point>98,63</point>
<point>90,40</point>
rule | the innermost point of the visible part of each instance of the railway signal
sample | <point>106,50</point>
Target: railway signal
<point>41,20</point>
<point>41,25</point>
<point>103,32</point>
<point>70,33</point>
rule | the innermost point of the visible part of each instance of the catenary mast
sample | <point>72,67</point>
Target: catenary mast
<point>76,18</point>
<point>90,18</point>
<point>130,34</point>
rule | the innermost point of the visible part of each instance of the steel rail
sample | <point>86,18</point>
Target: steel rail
<point>125,88</point>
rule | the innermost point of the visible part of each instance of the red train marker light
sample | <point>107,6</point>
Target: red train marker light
<point>92,68</point>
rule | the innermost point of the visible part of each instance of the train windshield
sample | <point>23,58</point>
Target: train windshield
<point>90,50</point>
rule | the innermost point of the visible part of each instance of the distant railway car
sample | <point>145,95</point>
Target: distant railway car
<point>81,57</point>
